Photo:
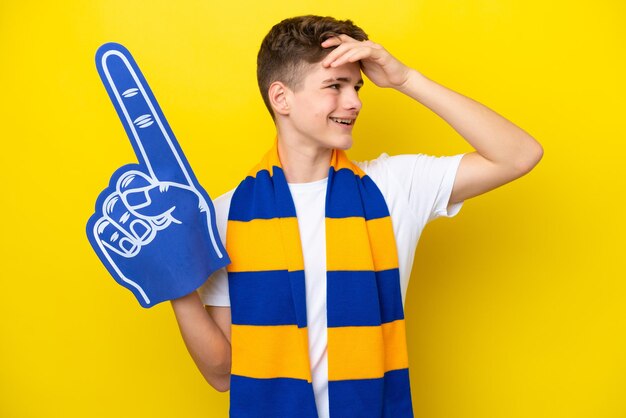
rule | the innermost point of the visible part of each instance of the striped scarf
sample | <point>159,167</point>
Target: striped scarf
<point>367,356</point>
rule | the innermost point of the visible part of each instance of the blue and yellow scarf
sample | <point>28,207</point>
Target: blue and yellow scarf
<point>367,356</point>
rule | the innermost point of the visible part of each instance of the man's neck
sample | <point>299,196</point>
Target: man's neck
<point>303,164</point>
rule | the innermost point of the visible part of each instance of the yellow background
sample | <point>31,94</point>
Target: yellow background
<point>516,307</point>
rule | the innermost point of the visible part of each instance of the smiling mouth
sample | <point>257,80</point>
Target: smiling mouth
<point>342,121</point>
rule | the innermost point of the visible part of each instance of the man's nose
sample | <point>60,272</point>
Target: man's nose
<point>352,100</point>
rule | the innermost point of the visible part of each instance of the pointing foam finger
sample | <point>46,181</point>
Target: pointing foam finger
<point>149,133</point>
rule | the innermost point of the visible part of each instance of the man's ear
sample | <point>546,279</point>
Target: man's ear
<point>278,94</point>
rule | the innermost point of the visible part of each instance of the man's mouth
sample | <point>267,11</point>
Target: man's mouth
<point>342,121</point>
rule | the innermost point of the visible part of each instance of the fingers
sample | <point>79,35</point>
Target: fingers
<point>135,188</point>
<point>120,231</point>
<point>118,214</point>
<point>348,50</point>
<point>351,55</point>
<point>144,122</point>
<point>155,202</point>
<point>115,239</point>
<point>130,217</point>
<point>110,242</point>
<point>337,40</point>
<point>119,228</point>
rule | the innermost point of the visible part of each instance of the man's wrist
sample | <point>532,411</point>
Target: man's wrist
<point>412,84</point>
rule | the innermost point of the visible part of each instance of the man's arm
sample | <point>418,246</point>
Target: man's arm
<point>207,336</point>
<point>504,151</point>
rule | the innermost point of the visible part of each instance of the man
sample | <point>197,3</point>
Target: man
<point>308,320</point>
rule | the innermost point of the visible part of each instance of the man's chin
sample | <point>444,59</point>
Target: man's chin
<point>344,145</point>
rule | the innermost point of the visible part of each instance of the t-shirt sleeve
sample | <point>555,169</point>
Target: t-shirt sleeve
<point>426,181</point>
<point>430,183</point>
<point>214,292</point>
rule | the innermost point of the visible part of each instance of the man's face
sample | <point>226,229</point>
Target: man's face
<point>324,107</point>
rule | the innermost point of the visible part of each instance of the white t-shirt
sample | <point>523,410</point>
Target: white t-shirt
<point>416,189</point>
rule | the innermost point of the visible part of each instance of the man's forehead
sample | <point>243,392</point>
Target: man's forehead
<point>349,72</point>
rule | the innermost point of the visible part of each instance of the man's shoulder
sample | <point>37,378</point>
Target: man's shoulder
<point>222,204</point>
<point>225,198</point>
<point>370,165</point>
<point>404,165</point>
<point>386,167</point>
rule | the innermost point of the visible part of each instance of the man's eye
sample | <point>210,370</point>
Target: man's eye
<point>357,88</point>
<point>334,86</point>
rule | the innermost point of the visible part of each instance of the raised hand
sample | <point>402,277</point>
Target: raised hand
<point>154,226</point>
<point>376,62</point>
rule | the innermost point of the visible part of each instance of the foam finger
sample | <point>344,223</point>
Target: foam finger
<point>112,238</point>
<point>135,230</point>
<point>149,133</point>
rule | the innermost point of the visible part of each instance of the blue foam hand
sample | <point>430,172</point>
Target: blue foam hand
<point>154,226</point>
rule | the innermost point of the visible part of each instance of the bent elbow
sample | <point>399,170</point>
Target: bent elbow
<point>537,154</point>
<point>223,387</point>
<point>217,372</point>
<point>220,383</point>
<point>530,159</point>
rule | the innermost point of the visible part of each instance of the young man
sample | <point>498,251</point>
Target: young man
<point>322,248</point>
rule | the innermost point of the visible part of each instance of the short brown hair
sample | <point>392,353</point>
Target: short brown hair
<point>292,44</point>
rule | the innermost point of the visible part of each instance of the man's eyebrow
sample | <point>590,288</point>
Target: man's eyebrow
<point>343,80</point>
